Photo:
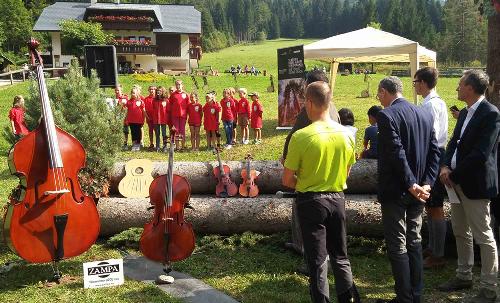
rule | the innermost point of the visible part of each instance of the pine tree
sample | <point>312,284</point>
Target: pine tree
<point>17,24</point>
<point>274,30</point>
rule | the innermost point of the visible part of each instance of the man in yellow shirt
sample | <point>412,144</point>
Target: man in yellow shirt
<point>317,165</point>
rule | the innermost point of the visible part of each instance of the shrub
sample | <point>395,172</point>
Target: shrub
<point>79,109</point>
<point>126,239</point>
<point>261,36</point>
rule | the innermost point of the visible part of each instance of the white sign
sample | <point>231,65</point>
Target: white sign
<point>103,273</point>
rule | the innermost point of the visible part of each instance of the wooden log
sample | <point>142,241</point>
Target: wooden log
<point>362,180</point>
<point>264,214</point>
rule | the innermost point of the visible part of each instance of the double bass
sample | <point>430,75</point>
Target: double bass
<point>168,237</point>
<point>48,218</point>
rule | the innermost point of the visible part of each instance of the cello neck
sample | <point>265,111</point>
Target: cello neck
<point>248,170</point>
<point>170,176</point>
<point>55,159</point>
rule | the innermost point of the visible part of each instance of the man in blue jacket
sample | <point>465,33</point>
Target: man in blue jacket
<point>470,170</point>
<point>407,168</point>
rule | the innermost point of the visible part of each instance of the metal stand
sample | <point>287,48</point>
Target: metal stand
<point>57,274</point>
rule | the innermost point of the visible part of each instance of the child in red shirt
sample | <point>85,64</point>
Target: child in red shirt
<point>148,104</point>
<point>228,116</point>
<point>16,116</point>
<point>135,117</point>
<point>232,92</point>
<point>179,102</point>
<point>160,118</point>
<point>243,115</point>
<point>256,120</point>
<point>121,100</point>
<point>195,113</point>
<point>211,112</point>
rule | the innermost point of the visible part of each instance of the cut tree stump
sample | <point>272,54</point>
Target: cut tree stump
<point>362,180</point>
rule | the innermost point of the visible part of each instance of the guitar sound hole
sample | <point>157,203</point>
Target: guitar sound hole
<point>139,170</point>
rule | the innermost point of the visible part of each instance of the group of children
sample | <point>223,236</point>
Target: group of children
<point>370,137</point>
<point>174,108</point>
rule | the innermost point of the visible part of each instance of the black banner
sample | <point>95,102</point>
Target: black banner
<point>291,69</point>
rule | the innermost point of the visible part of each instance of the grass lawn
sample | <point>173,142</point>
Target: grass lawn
<point>249,267</point>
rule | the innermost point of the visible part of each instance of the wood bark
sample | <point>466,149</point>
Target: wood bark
<point>493,60</point>
<point>266,214</point>
<point>362,180</point>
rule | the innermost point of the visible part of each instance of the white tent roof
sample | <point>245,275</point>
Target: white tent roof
<point>367,45</point>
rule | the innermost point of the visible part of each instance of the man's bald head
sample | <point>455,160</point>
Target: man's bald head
<point>320,94</point>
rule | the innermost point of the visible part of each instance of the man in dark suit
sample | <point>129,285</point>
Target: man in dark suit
<point>470,169</point>
<point>407,168</point>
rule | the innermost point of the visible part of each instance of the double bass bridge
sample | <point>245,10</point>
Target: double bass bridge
<point>55,192</point>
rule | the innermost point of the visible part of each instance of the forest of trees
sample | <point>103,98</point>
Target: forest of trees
<point>453,28</point>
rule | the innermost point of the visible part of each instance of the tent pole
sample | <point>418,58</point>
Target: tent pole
<point>414,64</point>
<point>334,66</point>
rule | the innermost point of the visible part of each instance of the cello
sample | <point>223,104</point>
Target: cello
<point>168,238</point>
<point>225,186</point>
<point>48,218</point>
<point>248,188</point>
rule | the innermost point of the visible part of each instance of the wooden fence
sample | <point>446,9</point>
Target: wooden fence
<point>54,72</point>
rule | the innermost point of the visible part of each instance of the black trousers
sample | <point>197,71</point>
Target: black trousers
<point>135,129</point>
<point>323,226</point>
<point>438,191</point>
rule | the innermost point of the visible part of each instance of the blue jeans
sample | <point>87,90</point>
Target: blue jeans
<point>228,129</point>
<point>163,129</point>
<point>402,221</point>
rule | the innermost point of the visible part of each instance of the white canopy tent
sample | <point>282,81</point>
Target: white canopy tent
<point>369,45</point>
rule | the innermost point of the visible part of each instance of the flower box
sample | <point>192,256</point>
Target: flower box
<point>120,19</point>
<point>130,42</point>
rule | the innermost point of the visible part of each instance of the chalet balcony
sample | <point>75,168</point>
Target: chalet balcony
<point>126,26</point>
<point>136,49</point>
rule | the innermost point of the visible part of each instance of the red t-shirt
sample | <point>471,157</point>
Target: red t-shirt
<point>243,107</point>
<point>257,110</point>
<point>211,112</point>
<point>195,113</point>
<point>228,109</point>
<point>148,105</point>
<point>121,100</point>
<point>160,111</point>
<point>16,114</point>
<point>134,111</point>
<point>179,102</point>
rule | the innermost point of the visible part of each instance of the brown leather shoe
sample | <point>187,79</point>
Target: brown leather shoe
<point>434,262</point>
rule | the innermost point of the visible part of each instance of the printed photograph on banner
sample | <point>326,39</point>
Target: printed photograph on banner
<point>291,70</point>
<point>291,98</point>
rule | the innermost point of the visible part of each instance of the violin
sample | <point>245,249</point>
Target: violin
<point>248,188</point>
<point>48,218</point>
<point>168,237</point>
<point>225,186</point>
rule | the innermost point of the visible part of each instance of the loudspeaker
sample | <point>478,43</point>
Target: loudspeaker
<point>102,58</point>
